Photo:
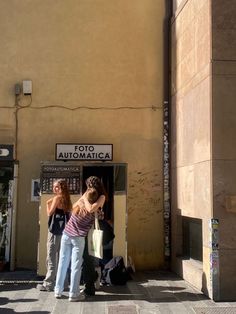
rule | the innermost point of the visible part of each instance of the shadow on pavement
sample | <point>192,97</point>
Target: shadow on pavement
<point>153,286</point>
<point>16,286</point>
<point>10,311</point>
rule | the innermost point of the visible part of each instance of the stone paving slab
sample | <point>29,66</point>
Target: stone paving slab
<point>147,293</point>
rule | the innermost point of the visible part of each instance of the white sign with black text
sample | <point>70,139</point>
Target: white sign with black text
<point>84,152</point>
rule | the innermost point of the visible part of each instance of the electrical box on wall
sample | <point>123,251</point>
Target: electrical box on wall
<point>27,87</point>
<point>17,89</point>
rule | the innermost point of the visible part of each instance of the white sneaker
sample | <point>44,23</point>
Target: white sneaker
<point>80,297</point>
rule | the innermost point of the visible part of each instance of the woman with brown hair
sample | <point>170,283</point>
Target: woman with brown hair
<point>89,274</point>
<point>73,242</point>
<point>58,211</point>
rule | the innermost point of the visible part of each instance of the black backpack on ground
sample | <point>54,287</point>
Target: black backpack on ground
<point>115,272</point>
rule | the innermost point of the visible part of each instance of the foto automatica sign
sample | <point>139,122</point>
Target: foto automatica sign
<point>84,151</point>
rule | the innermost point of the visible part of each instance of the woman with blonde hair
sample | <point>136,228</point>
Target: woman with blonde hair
<point>58,212</point>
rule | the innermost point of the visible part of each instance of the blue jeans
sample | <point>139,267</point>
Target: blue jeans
<point>71,249</point>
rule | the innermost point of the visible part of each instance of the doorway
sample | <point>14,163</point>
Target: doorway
<point>6,208</point>
<point>114,178</point>
<point>105,174</point>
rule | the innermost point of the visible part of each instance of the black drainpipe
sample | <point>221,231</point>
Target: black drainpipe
<point>166,132</point>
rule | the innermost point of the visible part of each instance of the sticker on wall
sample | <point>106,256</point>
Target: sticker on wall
<point>214,257</point>
<point>214,229</point>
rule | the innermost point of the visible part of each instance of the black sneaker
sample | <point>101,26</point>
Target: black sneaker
<point>89,292</point>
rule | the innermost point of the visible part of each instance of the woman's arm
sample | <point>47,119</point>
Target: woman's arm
<point>52,205</point>
<point>83,202</point>
<point>95,206</point>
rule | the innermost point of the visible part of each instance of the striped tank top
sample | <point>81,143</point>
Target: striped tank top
<point>78,226</point>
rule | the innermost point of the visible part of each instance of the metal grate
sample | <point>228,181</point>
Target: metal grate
<point>215,310</point>
<point>17,282</point>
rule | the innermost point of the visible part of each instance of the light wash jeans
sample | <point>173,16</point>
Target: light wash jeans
<point>72,248</point>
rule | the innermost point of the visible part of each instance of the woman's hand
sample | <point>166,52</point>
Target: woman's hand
<point>100,213</point>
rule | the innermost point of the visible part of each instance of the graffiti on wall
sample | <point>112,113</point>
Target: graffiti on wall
<point>145,194</point>
<point>166,181</point>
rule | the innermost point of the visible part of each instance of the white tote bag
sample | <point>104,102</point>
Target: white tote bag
<point>95,236</point>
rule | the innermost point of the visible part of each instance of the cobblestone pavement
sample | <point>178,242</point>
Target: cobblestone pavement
<point>147,293</point>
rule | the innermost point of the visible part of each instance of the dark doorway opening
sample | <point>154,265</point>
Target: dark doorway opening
<point>192,238</point>
<point>105,173</point>
<point>6,177</point>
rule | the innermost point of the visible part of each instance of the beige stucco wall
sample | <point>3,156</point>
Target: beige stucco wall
<point>204,154</point>
<point>80,54</point>
<point>191,131</point>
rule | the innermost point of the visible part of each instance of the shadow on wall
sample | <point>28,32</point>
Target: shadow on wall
<point>204,284</point>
